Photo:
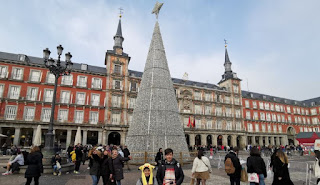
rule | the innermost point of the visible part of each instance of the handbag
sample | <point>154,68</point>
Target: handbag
<point>58,165</point>
<point>206,166</point>
<point>253,177</point>
<point>244,175</point>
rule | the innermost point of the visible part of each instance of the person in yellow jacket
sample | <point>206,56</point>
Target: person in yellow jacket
<point>73,156</point>
<point>147,177</point>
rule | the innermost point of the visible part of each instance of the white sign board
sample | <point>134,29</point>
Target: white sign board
<point>317,144</point>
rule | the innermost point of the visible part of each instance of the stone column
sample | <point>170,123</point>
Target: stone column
<point>260,140</point>
<point>84,137</point>
<point>272,141</point>
<point>104,137</point>
<point>253,141</point>
<point>107,136</point>
<point>99,137</point>
<point>277,141</point>
<point>284,140</point>
<point>214,140</point>
<point>224,140</point>
<point>267,140</point>
<point>68,142</point>
<point>243,142</point>
<point>192,139</point>
<point>123,138</point>
<point>234,140</point>
<point>16,136</point>
<point>204,139</point>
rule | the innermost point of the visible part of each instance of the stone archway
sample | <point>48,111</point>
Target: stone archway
<point>209,140</point>
<point>229,140</point>
<point>198,140</point>
<point>187,139</point>
<point>219,140</point>
<point>238,141</point>
<point>114,138</point>
<point>291,133</point>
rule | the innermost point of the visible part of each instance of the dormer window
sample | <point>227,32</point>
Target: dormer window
<point>274,99</point>
<point>84,67</point>
<point>251,95</point>
<point>22,57</point>
<point>117,69</point>
<point>264,97</point>
<point>313,103</point>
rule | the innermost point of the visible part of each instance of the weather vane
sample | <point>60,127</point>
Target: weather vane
<point>157,8</point>
<point>225,43</point>
<point>120,12</point>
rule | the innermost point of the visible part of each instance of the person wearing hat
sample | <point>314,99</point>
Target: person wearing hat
<point>147,177</point>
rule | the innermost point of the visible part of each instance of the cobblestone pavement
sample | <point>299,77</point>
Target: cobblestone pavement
<point>218,177</point>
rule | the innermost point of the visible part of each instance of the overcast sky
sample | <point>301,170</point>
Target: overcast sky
<point>273,45</point>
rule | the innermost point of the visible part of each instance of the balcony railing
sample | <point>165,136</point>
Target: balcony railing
<point>95,103</point>
<point>34,79</point>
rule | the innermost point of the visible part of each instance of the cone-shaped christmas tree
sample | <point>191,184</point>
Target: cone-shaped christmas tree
<point>156,119</point>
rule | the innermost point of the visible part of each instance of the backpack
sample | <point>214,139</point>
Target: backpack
<point>228,166</point>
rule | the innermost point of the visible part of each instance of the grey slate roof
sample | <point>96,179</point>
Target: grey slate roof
<point>303,135</point>
<point>119,30</point>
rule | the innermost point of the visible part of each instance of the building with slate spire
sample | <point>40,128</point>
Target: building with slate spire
<point>102,100</point>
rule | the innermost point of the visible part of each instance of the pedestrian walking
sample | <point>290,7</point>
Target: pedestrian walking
<point>159,157</point>
<point>201,168</point>
<point>316,166</point>
<point>95,157</point>
<point>256,165</point>
<point>78,153</point>
<point>280,168</point>
<point>170,171</point>
<point>116,162</point>
<point>35,167</point>
<point>147,177</point>
<point>56,164</point>
<point>233,166</point>
<point>126,153</point>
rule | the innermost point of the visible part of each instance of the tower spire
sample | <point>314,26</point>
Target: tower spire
<point>118,38</point>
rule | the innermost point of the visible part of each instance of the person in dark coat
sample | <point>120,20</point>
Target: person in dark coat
<point>126,153</point>
<point>280,168</point>
<point>116,162</point>
<point>69,150</point>
<point>35,167</point>
<point>170,170</point>
<point>255,164</point>
<point>95,157</point>
<point>56,159</point>
<point>233,155</point>
<point>159,157</point>
<point>106,169</point>
<point>78,152</point>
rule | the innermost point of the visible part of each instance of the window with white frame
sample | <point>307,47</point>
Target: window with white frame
<point>267,106</point>
<point>11,112</point>
<point>278,108</point>
<point>218,111</point>
<point>229,125</point>
<point>208,110</point>
<point>248,115</point>
<point>263,127</point>
<point>51,78</point>
<point>80,98</point>
<point>14,92</point>
<point>68,80</point>
<point>281,108</point>
<point>307,112</point>
<point>236,101</point>
<point>208,96</point>
<point>255,116</point>
<point>262,116</point>
<point>197,95</point>
<point>269,128</point>
<point>299,120</point>
<point>294,110</point>
<point>94,117</point>
<point>247,104</point>
<point>254,104</point>
<point>289,119</point>
<point>117,69</point>
<point>116,101</point>
<point>261,105</point>
<point>315,120</point>
<point>304,120</point>
<point>301,129</point>
<point>65,97</point>
<point>132,103</point>
<point>288,109</point>
<point>250,127</point>
<point>82,81</point>
<point>219,125</point>
<point>209,124</point>
<point>29,113</point>
<point>48,95</point>
<point>298,110</point>
<point>275,128</point>
<point>198,123</point>
<point>133,86</point>
<point>95,99</point>
<point>316,129</point>
<point>227,99</point>
<point>63,115</point>
<point>117,84</point>
<point>84,67</point>
<point>238,113</point>
<point>198,109</point>
<point>238,125</point>
<point>272,107</point>
<point>280,128</point>
<point>17,73</point>
<point>35,76</point>
<point>302,112</point>
<point>274,117</point>
<point>115,118</point>
<point>257,127</point>
<point>3,71</point>
<point>78,116</point>
<point>305,129</point>
<point>220,98</point>
<point>283,119</point>
<point>130,119</point>
<point>46,114</point>
<point>313,111</point>
<point>310,129</point>
<point>1,90</point>
<point>279,118</point>
<point>228,112</point>
<point>235,89</point>
<point>32,93</point>
<point>96,83</point>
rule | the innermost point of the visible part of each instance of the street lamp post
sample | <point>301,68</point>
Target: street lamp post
<point>57,69</point>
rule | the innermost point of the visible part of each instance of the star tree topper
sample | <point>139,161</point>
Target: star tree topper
<point>157,8</point>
